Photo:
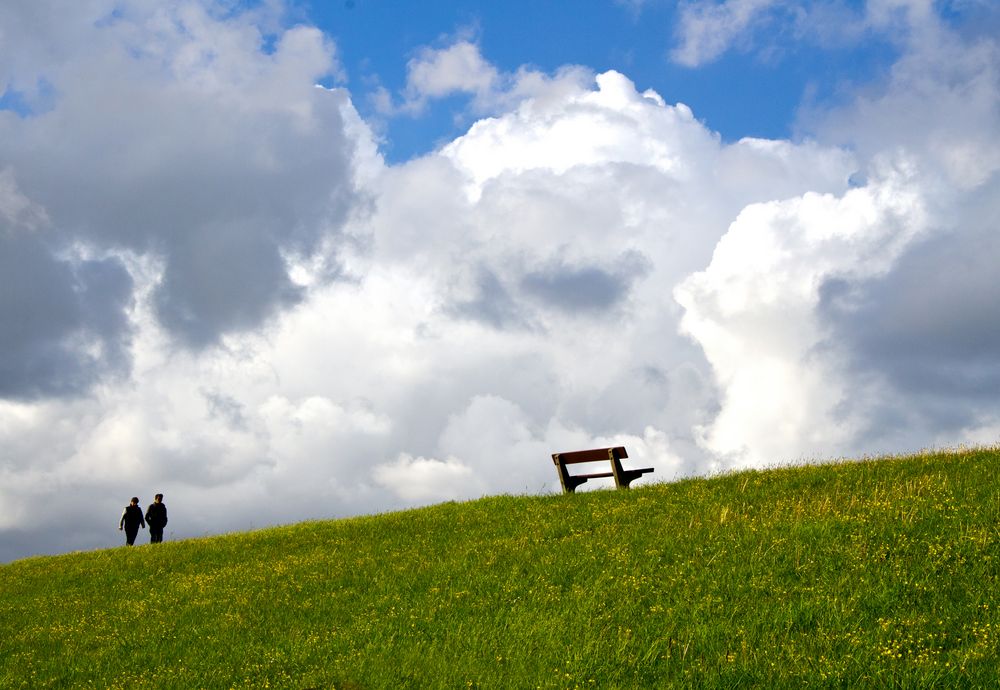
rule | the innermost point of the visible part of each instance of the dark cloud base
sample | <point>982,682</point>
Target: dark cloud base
<point>65,322</point>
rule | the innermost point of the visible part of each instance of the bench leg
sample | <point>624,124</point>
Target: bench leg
<point>623,477</point>
<point>568,481</point>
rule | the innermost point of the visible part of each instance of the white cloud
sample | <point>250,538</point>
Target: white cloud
<point>460,68</point>
<point>17,211</point>
<point>426,479</point>
<point>175,127</point>
<point>478,333</point>
<point>883,13</point>
<point>437,73</point>
<point>838,321</point>
<point>754,310</point>
<point>941,103</point>
<point>525,140</point>
<point>362,337</point>
<point>708,29</point>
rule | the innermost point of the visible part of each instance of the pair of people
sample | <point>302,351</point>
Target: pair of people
<point>132,519</point>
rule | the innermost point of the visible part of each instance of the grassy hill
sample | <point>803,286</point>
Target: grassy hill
<point>882,573</point>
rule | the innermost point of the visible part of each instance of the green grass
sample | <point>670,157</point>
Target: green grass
<point>877,573</point>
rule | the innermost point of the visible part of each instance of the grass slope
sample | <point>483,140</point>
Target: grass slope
<point>871,573</point>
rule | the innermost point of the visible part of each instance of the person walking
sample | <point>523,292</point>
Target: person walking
<point>131,521</point>
<point>156,518</point>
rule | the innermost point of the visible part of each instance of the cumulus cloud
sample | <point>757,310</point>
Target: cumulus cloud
<point>249,311</point>
<point>499,308</point>
<point>426,479</point>
<point>754,311</point>
<point>457,68</point>
<point>940,103</point>
<point>18,212</point>
<point>935,343</point>
<point>65,319</point>
<point>175,132</point>
<point>841,321</point>
<point>708,29</point>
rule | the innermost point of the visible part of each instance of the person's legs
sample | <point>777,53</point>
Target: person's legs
<point>130,535</point>
<point>155,535</point>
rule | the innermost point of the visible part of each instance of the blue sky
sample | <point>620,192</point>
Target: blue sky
<point>281,261</point>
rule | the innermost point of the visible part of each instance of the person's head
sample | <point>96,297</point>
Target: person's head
<point>135,500</point>
<point>158,498</point>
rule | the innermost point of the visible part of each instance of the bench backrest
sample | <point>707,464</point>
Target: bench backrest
<point>589,455</point>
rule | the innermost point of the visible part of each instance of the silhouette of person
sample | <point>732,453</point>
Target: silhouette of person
<point>156,518</point>
<point>131,521</point>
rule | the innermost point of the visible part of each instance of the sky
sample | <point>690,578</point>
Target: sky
<point>282,261</point>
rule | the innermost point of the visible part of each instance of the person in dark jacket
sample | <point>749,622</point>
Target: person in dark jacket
<point>156,517</point>
<point>131,521</point>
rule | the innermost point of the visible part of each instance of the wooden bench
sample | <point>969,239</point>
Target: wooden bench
<point>622,476</point>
